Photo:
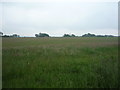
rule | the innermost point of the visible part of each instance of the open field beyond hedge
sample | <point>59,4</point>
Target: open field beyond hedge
<point>79,62</point>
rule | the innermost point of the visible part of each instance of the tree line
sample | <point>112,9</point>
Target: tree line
<point>65,35</point>
<point>14,35</point>
<point>93,35</point>
<point>72,35</point>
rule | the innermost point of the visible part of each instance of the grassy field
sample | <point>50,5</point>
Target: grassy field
<point>79,62</point>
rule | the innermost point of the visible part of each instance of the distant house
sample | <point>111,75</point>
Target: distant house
<point>1,34</point>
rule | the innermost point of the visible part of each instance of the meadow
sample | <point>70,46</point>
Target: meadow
<point>78,62</point>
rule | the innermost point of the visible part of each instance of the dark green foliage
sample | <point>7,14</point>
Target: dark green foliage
<point>72,35</point>
<point>36,35</point>
<point>93,35</point>
<point>6,36</point>
<point>14,35</point>
<point>1,34</point>
<point>42,35</point>
<point>68,35</point>
<point>88,35</point>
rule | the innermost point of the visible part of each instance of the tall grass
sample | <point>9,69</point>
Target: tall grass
<point>60,63</point>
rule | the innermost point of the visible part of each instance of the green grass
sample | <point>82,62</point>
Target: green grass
<point>60,62</point>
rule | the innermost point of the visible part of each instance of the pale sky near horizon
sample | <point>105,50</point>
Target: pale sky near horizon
<point>57,18</point>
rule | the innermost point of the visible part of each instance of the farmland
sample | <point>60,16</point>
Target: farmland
<point>73,62</point>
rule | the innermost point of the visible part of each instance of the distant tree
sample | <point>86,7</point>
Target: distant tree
<point>1,34</point>
<point>5,36</point>
<point>72,35</point>
<point>88,35</point>
<point>36,35</point>
<point>100,36</point>
<point>68,35</point>
<point>104,36</point>
<point>109,36</point>
<point>42,35</point>
<point>93,35</point>
<point>15,35</point>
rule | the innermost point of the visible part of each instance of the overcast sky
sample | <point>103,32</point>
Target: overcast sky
<point>56,18</point>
